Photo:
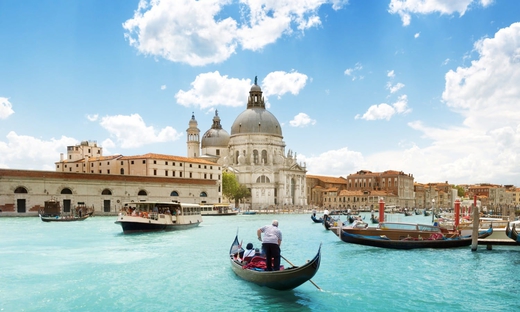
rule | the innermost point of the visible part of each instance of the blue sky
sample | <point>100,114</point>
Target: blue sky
<point>427,87</point>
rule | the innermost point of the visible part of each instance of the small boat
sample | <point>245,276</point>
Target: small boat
<point>285,279</point>
<point>408,213</point>
<point>512,233</point>
<point>394,230</point>
<point>217,210</point>
<point>436,240</point>
<point>62,218</point>
<point>249,212</point>
<point>151,216</point>
<point>316,220</point>
<point>329,221</point>
<point>426,213</point>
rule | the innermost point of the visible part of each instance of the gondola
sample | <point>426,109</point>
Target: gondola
<point>62,218</point>
<point>426,213</point>
<point>435,240</point>
<point>374,220</point>
<point>285,279</point>
<point>316,220</point>
<point>329,221</point>
<point>512,233</point>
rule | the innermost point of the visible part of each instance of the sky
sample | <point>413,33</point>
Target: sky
<point>427,87</point>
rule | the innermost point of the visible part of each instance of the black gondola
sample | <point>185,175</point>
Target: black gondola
<point>285,279</point>
<point>316,220</point>
<point>512,233</point>
<point>412,243</point>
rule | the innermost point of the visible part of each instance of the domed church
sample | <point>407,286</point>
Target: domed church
<point>255,152</point>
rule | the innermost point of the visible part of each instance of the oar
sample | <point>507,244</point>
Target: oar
<point>294,266</point>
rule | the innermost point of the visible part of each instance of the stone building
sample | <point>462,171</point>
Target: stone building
<point>255,153</point>
<point>86,177</point>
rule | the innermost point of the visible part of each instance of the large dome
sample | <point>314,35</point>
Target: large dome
<point>256,120</point>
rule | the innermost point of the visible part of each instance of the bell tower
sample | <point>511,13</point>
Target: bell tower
<point>193,138</point>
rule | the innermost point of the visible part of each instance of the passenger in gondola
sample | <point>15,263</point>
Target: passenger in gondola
<point>248,253</point>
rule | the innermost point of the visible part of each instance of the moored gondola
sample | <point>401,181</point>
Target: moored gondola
<point>284,279</point>
<point>435,240</point>
<point>512,233</point>
<point>316,220</point>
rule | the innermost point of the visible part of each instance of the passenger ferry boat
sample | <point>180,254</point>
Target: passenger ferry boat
<point>152,216</point>
<point>217,210</point>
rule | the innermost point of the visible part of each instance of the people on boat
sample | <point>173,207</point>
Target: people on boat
<point>257,252</point>
<point>271,242</point>
<point>249,252</point>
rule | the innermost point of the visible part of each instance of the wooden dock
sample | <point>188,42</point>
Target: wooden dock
<point>498,242</point>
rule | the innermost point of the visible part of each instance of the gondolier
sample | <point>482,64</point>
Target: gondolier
<point>271,244</point>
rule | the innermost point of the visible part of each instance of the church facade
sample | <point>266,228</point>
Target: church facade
<point>255,152</point>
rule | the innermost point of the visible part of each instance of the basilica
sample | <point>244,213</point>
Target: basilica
<point>255,152</point>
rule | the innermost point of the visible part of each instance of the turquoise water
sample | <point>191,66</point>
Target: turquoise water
<point>92,266</point>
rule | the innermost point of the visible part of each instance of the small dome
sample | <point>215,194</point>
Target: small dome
<point>215,138</point>
<point>255,88</point>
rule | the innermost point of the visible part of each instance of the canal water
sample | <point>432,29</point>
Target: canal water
<point>92,266</point>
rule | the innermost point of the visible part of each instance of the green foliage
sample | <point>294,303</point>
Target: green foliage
<point>233,190</point>
<point>460,191</point>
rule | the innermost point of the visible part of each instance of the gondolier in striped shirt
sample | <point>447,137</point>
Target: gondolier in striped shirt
<point>271,244</point>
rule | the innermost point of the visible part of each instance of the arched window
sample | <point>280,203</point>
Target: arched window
<point>106,192</point>
<point>174,193</point>
<point>255,156</point>
<point>142,193</point>
<point>264,156</point>
<point>203,194</point>
<point>20,190</point>
<point>122,171</point>
<point>263,179</point>
<point>236,155</point>
<point>66,191</point>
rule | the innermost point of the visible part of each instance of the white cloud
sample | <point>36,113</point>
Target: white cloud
<point>446,61</point>
<point>6,108</point>
<point>212,89</point>
<point>21,151</point>
<point>279,83</point>
<point>163,87</point>
<point>386,111</point>
<point>351,71</point>
<point>407,7</point>
<point>394,88</point>
<point>486,95</point>
<point>391,73</point>
<point>199,33</point>
<point>340,162</point>
<point>131,131</point>
<point>92,117</point>
<point>417,35</point>
<point>302,120</point>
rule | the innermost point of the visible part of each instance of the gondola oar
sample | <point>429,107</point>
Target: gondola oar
<point>294,266</point>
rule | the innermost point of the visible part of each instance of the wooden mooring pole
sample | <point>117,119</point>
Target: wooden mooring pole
<point>476,223</point>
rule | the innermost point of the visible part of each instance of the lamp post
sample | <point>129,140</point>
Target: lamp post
<point>433,209</point>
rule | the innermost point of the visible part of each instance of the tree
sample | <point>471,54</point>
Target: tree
<point>233,190</point>
<point>460,191</point>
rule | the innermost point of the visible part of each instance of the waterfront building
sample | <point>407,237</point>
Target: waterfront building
<point>255,153</point>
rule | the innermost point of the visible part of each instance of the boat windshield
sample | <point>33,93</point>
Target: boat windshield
<point>409,227</point>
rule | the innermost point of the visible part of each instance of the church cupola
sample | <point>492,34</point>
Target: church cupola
<point>255,97</point>
<point>193,138</point>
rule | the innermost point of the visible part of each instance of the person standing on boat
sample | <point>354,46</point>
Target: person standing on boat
<point>271,245</point>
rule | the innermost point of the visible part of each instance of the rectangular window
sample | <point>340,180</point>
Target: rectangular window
<point>205,176</point>
<point>166,172</point>
<point>173,173</point>
<point>191,175</point>
<point>132,162</point>
<point>166,163</point>
<point>108,171</point>
<point>180,174</point>
<point>155,172</point>
<point>155,162</point>
<point>108,163</point>
<point>144,161</point>
<point>122,163</point>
